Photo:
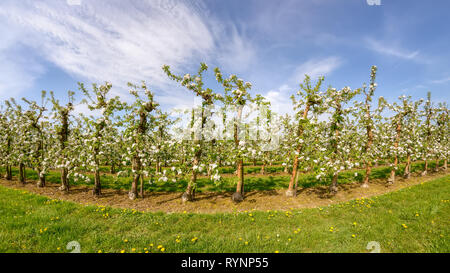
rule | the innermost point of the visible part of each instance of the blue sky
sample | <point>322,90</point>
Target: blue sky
<point>52,45</point>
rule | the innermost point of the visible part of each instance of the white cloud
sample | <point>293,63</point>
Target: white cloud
<point>121,41</point>
<point>443,80</point>
<point>18,71</point>
<point>237,53</point>
<point>17,75</point>
<point>280,101</point>
<point>388,48</point>
<point>316,68</point>
<point>280,98</point>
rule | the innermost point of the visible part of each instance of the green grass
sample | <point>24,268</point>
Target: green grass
<point>228,184</point>
<point>424,209</point>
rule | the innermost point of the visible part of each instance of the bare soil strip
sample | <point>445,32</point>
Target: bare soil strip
<point>213,202</point>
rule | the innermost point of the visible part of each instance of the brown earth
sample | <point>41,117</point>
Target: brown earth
<point>213,202</point>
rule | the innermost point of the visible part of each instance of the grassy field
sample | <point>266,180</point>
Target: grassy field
<point>415,219</point>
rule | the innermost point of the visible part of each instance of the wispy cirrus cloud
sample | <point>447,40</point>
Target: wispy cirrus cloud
<point>316,68</point>
<point>391,49</point>
<point>440,81</point>
<point>121,42</point>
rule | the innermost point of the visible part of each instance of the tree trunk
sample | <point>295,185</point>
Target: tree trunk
<point>64,181</point>
<point>391,180</point>
<point>290,192</point>
<point>41,182</point>
<point>64,135</point>
<point>407,173</point>
<point>113,168</point>
<point>365,183</point>
<point>133,194</point>
<point>142,186</point>
<point>263,168</point>
<point>445,164</point>
<point>189,194</point>
<point>425,171</point>
<point>436,168</point>
<point>238,196</point>
<point>97,190</point>
<point>368,146</point>
<point>22,173</point>
<point>296,184</point>
<point>240,171</point>
<point>158,166</point>
<point>333,187</point>
<point>8,175</point>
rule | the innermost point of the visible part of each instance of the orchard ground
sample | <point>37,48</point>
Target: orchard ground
<point>215,200</point>
<point>411,216</point>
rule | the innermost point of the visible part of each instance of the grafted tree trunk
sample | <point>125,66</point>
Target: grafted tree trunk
<point>133,194</point>
<point>64,136</point>
<point>333,187</point>
<point>391,180</point>
<point>429,113</point>
<point>425,170</point>
<point>238,196</point>
<point>436,168</point>
<point>64,181</point>
<point>22,173</point>
<point>407,173</point>
<point>240,170</point>
<point>142,186</point>
<point>97,190</point>
<point>158,166</point>
<point>365,183</point>
<point>137,164</point>
<point>189,194</point>
<point>8,175</point>
<point>291,191</point>
<point>41,182</point>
